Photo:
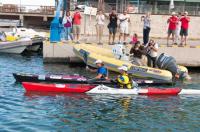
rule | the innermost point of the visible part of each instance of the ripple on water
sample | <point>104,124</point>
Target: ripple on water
<point>64,112</point>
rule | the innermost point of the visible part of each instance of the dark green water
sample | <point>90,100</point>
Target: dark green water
<point>85,113</point>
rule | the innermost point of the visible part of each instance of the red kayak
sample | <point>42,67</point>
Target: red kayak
<point>88,88</point>
<point>59,88</point>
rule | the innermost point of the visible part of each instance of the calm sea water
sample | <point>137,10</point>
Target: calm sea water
<point>81,112</point>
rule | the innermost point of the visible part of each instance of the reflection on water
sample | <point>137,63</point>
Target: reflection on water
<point>88,112</point>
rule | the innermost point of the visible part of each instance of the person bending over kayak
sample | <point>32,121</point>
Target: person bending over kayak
<point>102,72</point>
<point>124,80</point>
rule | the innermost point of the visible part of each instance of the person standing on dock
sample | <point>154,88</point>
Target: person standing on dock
<point>172,27</point>
<point>146,28</point>
<point>152,53</point>
<point>178,28</point>
<point>112,26</point>
<point>100,18</point>
<point>124,26</point>
<point>184,28</point>
<point>77,25</point>
<point>68,26</point>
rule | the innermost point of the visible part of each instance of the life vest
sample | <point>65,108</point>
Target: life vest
<point>124,81</point>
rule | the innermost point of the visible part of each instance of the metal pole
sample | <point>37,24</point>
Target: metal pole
<point>184,5</point>
<point>116,7</point>
<point>20,5</point>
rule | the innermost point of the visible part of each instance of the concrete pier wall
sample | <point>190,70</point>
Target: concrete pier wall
<point>59,53</point>
<point>63,53</point>
<point>185,56</point>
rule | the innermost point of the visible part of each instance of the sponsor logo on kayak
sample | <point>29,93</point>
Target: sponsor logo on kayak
<point>41,77</point>
<point>60,85</point>
<point>82,79</point>
<point>55,77</point>
<point>102,88</point>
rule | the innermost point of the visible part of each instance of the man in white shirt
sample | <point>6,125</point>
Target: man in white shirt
<point>124,25</point>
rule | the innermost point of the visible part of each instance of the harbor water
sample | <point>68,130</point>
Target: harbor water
<point>20,111</point>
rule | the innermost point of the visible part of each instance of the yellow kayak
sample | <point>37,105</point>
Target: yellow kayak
<point>89,54</point>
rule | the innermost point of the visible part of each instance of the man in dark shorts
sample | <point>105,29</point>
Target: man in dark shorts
<point>184,28</point>
<point>112,26</point>
<point>172,27</point>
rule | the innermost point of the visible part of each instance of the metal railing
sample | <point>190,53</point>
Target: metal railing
<point>31,9</point>
<point>49,10</point>
<point>164,9</point>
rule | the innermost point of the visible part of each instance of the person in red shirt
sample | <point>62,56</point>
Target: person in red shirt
<point>184,28</point>
<point>77,25</point>
<point>172,27</point>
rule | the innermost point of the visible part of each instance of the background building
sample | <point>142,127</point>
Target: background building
<point>142,6</point>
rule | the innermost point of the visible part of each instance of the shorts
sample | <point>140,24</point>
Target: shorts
<point>76,29</point>
<point>171,32</point>
<point>112,30</point>
<point>124,30</point>
<point>184,32</point>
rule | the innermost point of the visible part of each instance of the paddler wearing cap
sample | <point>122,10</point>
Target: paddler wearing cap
<point>102,72</point>
<point>123,79</point>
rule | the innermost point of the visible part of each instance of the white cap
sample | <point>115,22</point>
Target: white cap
<point>98,62</point>
<point>173,13</point>
<point>124,68</point>
<point>186,12</point>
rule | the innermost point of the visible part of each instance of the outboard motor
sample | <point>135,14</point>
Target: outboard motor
<point>169,63</point>
<point>120,52</point>
<point>2,36</point>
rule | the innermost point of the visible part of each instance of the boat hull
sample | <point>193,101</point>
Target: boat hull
<point>89,54</point>
<point>16,47</point>
<point>96,89</point>
<point>22,77</point>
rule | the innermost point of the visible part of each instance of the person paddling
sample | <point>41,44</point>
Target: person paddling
<point>123,79</point>
<point>102,72</point>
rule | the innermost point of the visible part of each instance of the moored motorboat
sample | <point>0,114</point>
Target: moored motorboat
<point>91,53</point>
<point>37,38</point>
<point>16,47</point>
<point>98,89</point>
<point>27,77</point>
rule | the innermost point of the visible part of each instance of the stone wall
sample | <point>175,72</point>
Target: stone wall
<point>158,26</point>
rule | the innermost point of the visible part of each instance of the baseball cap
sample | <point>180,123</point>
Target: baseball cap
<point>98,61</point>
<point>124,68</point>
<point>173,13</point>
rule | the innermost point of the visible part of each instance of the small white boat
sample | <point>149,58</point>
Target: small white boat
<point>16,47</point>
<point>37,38</point>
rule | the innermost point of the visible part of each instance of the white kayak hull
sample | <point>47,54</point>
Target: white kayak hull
<point>189,92</point>
<point>102,89</point>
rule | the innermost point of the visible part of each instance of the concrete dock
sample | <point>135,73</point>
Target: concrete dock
<point>61,52</point>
